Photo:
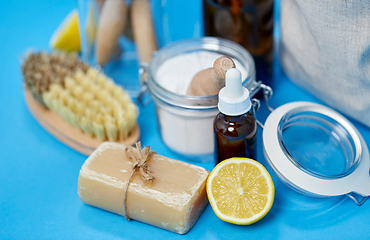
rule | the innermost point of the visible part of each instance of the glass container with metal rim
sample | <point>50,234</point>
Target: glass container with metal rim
<point>185,122</point>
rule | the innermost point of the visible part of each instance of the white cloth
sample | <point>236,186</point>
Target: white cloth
<point>325,48</point>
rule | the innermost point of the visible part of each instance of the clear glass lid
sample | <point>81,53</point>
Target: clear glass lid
<point>318,144</point>
<point>316,151</point>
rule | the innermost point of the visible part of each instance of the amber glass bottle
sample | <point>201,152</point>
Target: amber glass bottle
<point>234,127</point>
<point>235,136</point>
<point>246,22</point>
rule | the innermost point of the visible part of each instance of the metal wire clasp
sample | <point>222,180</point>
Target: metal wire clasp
<point>267,94</point>
<point>358,203</point>
<point>143,78</point>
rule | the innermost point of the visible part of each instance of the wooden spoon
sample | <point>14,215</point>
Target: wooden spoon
<point>210,81</point>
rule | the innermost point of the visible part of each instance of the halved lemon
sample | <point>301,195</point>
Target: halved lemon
<point>240,191</point>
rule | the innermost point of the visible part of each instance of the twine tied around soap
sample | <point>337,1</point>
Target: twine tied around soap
<point>139,157</point>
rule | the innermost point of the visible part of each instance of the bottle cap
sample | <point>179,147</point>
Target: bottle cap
<point>233,99</point>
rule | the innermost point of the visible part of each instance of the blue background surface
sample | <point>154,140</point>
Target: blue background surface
<point>38,174</point>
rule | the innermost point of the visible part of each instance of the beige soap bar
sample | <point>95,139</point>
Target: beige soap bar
<point>173,201</point>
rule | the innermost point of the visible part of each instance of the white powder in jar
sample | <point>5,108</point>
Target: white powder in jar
<point>187,131</point>
<point>176,73</point>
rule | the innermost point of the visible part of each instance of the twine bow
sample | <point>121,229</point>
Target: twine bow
<point>139,157</point>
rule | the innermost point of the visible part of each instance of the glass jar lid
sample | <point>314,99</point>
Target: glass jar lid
<point>316,151</point>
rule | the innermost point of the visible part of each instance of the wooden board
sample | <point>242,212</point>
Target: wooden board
<point>66,133</point>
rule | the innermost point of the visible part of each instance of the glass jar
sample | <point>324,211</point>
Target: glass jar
<point>186,122</point>
<point>116,36</point>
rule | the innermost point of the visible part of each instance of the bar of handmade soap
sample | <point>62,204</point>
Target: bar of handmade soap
<point>173,201</point>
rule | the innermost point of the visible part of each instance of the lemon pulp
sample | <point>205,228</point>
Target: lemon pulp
<point>240,191</point>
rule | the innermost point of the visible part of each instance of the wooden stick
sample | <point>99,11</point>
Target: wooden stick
<point>143,30</point>
<point>111,24</point>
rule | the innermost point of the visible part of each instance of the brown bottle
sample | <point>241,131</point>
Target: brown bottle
<point>235,136</point>
<point>246,22</point>
<point>234,127</point>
